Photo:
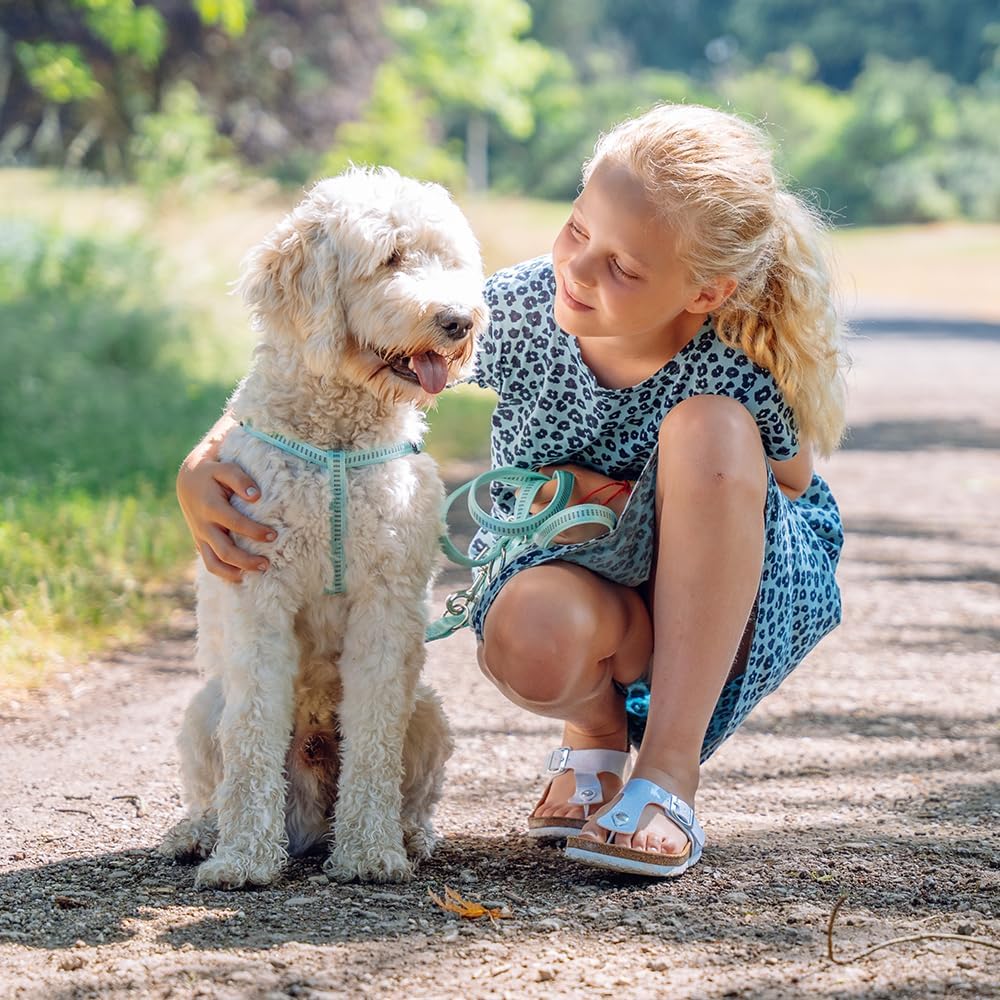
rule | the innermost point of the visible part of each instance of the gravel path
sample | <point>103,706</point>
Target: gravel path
<point>873,773</point>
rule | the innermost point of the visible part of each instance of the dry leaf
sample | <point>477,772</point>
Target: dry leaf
<point>467,908</point>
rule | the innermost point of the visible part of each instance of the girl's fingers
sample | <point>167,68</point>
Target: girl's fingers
<point>229,553</point>
<point>216,566</point>
<point>235,479</point>
<point>228,517</point>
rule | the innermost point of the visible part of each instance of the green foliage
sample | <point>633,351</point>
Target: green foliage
<point>395,131</point>
<point>454,59</point>
<point>178,144</point>
<point>58,72</point>
<point>916,147</point>
<point>96,412</point>
<point>230,15</point>
<point>471,54</point>
<point>127,29</point>
<point>805,119</point>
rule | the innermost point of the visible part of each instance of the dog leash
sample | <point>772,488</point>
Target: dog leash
<point>513,534</point>
<point>336,464</point>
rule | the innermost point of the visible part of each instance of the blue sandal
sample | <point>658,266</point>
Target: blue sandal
<point>623,817</point>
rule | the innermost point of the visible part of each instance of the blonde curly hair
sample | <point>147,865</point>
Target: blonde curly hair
<point>713,175</point>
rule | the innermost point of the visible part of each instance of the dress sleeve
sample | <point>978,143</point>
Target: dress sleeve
<point>488,366</point>
<point>779,431</point>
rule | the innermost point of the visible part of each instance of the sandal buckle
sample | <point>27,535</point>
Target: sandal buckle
<point>558,760</point>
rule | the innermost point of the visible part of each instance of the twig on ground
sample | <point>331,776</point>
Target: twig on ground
<point>136,800</point>
<point>897,940</point>
<point>82,812</point>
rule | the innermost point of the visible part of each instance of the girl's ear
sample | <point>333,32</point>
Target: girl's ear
<point>712,295</point>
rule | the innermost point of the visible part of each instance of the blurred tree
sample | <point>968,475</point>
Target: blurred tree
<point>461,65</point>
<point>805,118</point>
<point>953,37</point>
<point>275,76</point>
<point>91,68</point>
<point>472,59</point>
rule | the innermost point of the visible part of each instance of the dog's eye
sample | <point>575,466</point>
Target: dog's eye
<point>393,259</point>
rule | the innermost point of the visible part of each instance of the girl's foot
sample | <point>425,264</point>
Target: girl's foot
<point>656,833</point>
<point>555,803</point>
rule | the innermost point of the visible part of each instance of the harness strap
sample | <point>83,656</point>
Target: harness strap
<point>336,464</point>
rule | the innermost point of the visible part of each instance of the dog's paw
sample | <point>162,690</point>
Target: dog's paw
<point>388,865</point>
<point>190,840</point>
<point>420,842</point>
<point>231,870</point>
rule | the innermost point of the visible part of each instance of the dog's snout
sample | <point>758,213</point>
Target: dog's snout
<point>456,323</point>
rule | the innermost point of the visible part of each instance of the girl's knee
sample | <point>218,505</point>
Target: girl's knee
<point>534,648</point>
<point>712,444</point>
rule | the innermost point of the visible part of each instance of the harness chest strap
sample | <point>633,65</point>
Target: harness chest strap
<point>336,464</point>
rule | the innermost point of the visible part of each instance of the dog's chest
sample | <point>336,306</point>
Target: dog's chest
<point>381,521</point>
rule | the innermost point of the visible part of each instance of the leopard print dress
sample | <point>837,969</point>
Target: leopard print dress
<point>551,410</point>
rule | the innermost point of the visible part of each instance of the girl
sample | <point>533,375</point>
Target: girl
<point>679,353</point>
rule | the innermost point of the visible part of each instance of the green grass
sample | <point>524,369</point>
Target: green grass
<point>97,408</point>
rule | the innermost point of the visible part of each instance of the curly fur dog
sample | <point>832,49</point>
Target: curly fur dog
<point>312,722</point>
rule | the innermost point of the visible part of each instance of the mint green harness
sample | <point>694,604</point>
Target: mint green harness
<point>336,464</point>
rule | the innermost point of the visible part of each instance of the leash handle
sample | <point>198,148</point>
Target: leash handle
<point>540,528</point>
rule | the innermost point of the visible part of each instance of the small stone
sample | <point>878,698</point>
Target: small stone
<point>72,962</point>
<point>549,924</point>
<point>466,875</point>
<point>319,880</point>
<point>298,900</point>
<point>735,897</point>
<point>965,929</point>
<point>966,963</point>
<point>545,974</point>
<point>658,965</point>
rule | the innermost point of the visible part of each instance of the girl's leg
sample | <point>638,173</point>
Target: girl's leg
<point>554,639</point>
<point>711,488</point>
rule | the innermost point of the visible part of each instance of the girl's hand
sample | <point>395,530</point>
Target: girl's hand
<point>204,488</point>
<point>585,482</point>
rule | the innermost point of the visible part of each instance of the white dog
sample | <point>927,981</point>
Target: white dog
<point>311,723</point>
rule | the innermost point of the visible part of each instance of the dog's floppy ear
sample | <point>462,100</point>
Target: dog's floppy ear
<point>271,271</point>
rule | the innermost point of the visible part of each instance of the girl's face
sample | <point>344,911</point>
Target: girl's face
<point>616,267</point>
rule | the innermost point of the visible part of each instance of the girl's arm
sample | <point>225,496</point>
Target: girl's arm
<point>204,487</point>
<point>794,474</point>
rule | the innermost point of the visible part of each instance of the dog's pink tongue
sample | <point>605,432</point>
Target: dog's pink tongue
<point>431,370</point>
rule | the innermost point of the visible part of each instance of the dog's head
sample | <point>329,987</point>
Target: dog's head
<point>376,278</point>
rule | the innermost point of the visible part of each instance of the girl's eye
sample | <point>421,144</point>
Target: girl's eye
<point>618,269</point>
<point>576,230</point>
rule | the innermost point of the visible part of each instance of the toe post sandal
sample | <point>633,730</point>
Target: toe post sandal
<point>586,765</point>
<point>623,817</point>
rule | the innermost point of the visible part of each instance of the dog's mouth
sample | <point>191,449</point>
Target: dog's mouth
<point>429,370</point>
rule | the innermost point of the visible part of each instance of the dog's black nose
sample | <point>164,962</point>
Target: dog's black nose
<point>456,323</point>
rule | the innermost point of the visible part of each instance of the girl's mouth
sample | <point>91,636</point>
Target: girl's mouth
<point>575,304</point>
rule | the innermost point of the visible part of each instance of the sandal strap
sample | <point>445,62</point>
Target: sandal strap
<point>586,765</point>
<point>624,816</point>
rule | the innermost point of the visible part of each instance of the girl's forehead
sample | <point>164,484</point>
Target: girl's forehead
<point>616,196</point>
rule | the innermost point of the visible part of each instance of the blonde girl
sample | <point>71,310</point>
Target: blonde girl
<point>679,353</point>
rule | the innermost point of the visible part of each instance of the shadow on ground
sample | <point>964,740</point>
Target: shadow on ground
<point>930,327</point>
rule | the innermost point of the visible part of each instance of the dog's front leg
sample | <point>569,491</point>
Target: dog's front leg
<point>381,661</point>
<point>259,670</point>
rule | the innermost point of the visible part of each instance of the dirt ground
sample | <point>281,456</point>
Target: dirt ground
<point>873,773</point>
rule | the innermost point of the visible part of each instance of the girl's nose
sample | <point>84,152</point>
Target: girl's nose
<point>580,270</point>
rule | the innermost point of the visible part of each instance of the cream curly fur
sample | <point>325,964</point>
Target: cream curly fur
<point>312,698</point>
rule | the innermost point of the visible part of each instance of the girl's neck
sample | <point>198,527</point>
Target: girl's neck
<point>621,362</point>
